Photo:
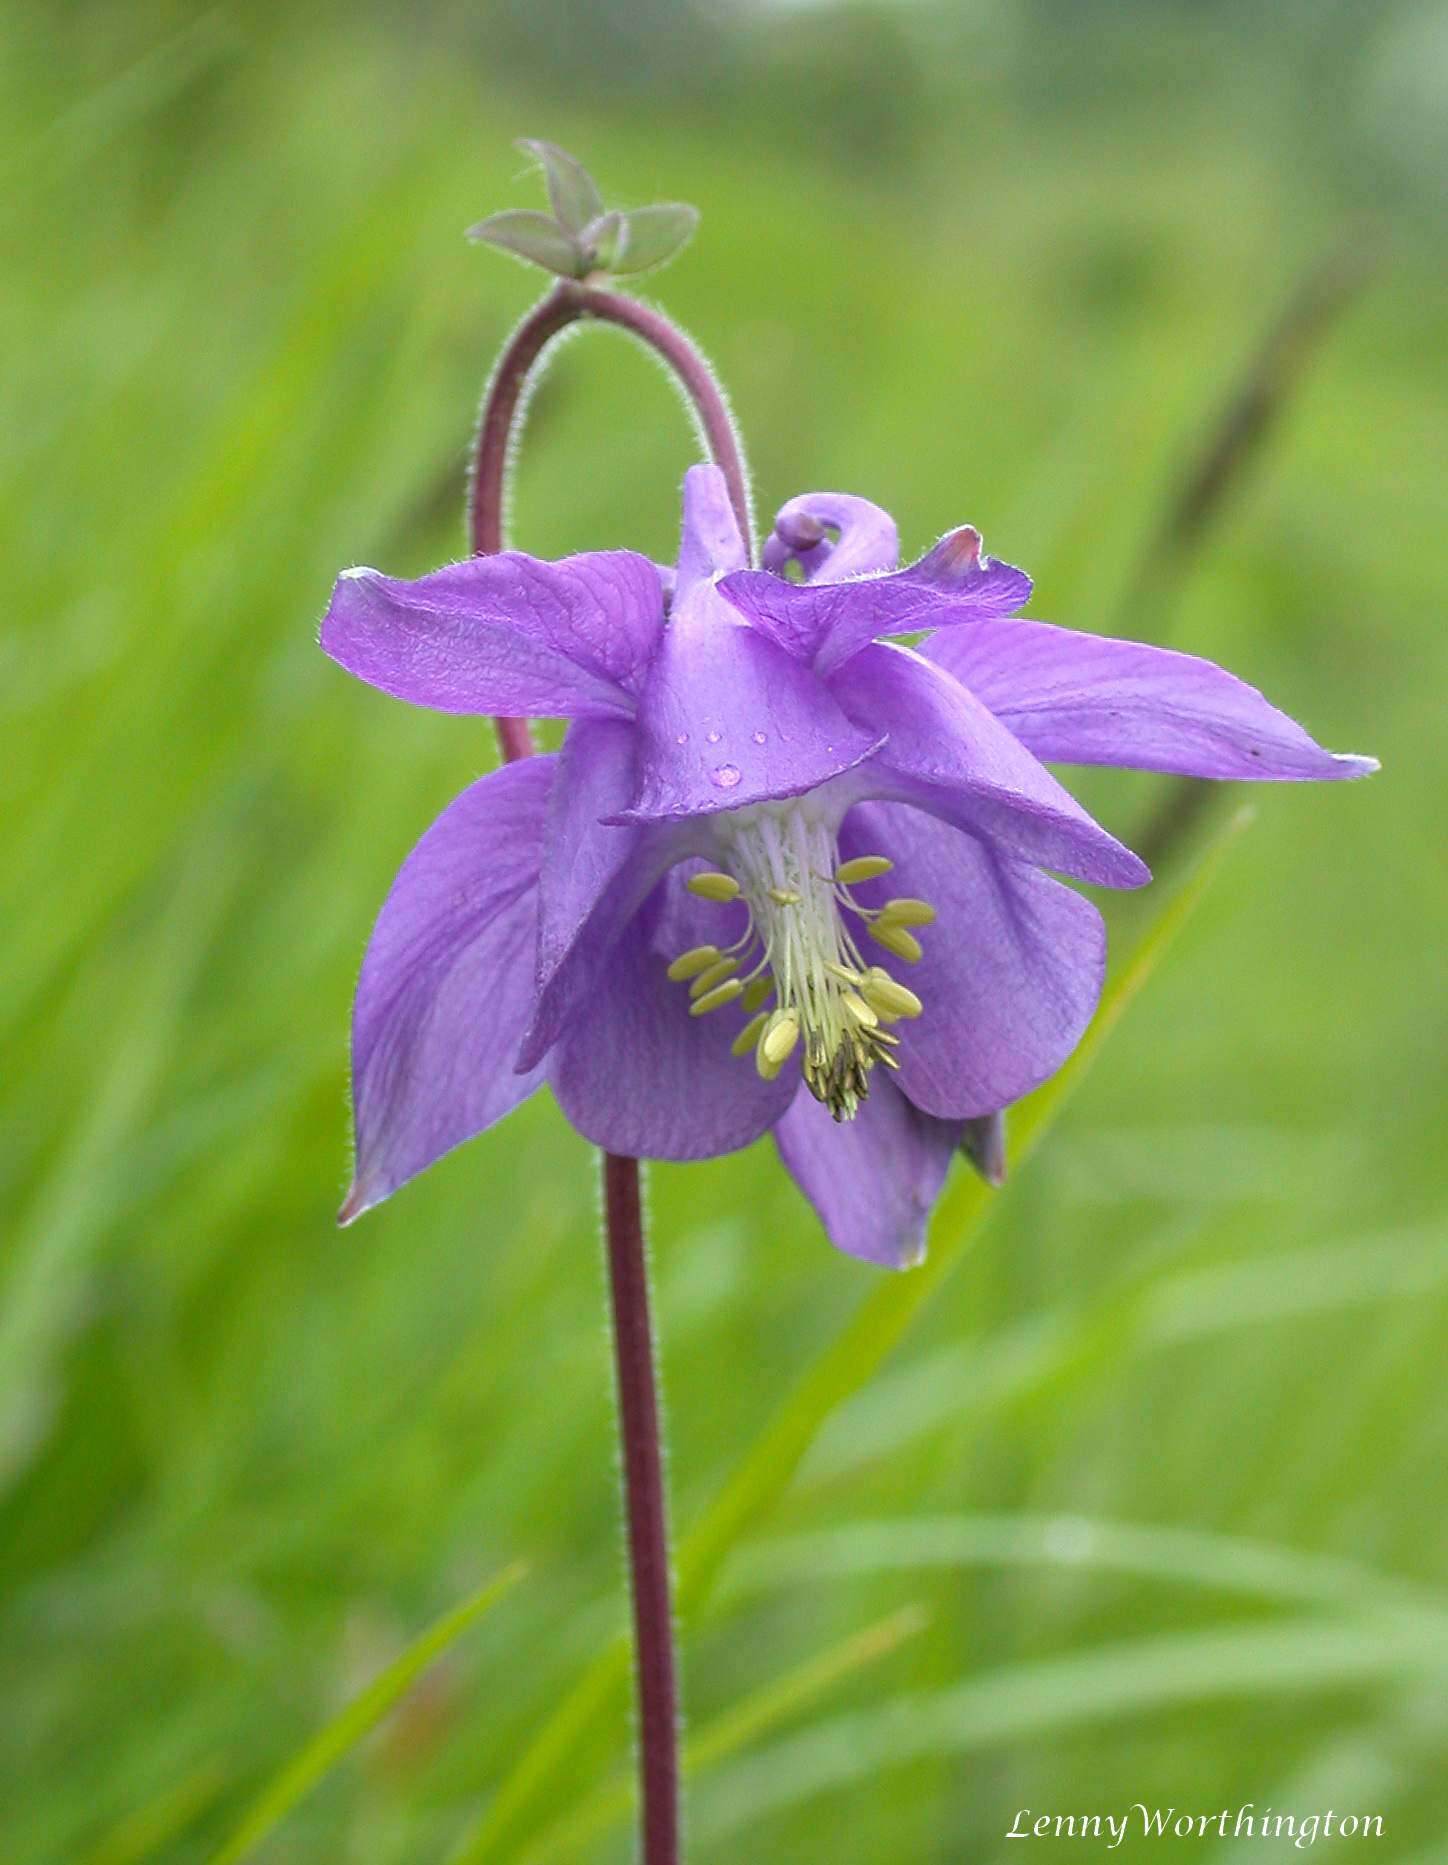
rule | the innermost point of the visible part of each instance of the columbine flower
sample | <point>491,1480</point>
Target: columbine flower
<point>783,875</point>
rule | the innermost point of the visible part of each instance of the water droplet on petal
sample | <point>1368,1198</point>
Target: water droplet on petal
<point>759,738</point>
<point>682,739</point>
<point>713,737</point>
<point>725,776</point>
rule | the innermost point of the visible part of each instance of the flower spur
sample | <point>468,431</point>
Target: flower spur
<point>784,874</point>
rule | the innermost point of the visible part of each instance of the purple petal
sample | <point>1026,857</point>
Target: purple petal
<point>727,718</point>
<point>1011,971</point>
<point>873,1179</point>
<point>946,753</point>
<point>826,622</point>
<point>596,874</point>
<point>504,634</point>
<point>1089,699</point>
<point>866,540</point>
<point>635,1073</point>
<point>447,984</point>
<point>710,542</point>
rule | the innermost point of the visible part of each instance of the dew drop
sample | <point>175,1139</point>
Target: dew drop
<point>759,738</point>
<point>682,739</point>
<point>725,776</point>
<point>713,737</point>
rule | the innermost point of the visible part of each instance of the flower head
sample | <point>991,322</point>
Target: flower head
<point>785,873</point>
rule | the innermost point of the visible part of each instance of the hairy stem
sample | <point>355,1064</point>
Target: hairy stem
<point>638,1402</point>
<point>566,304</point>
<point>648,1540</point>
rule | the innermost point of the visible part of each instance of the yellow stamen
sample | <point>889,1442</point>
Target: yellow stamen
<point>767,1070</point>
<point>908,912</point>
<point>783,896</point>
<point>749,1035</point>
<point>862,868</point>
<point>689,964</point>
<point>777,1043</point>
<point>859,1010</point>
<point>759,991</point>
<point>881,991</point>
<point>715,974</point>
<point>845,973</point>
<point>715,1000</point>
<point>895,939</point>
<point>713,886</point>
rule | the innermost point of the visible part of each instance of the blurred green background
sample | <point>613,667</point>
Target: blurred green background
<point>1158,1478</point>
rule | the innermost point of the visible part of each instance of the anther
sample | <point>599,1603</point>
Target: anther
<point>689,964</point>
<point>859,1009</point>
<point>759,991</point>
<point>783,896</point>
<point>908,912</point>
<point>895,939</point>
<point>845,973</point>
<point>715,1000</point>
<point>715,974</point>
<point>749,1035</point>
<point>778,1041</point>
<point>862,868</point>
<point>719,887</point>
<point>881,991</point>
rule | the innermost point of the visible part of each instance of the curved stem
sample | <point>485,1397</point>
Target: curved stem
<point>566,304</point>
<point>638,1403</point>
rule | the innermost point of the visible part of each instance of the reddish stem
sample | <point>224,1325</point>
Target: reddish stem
<point>648,1533</point>
<point>565,305</point>
<point>638,1402</point>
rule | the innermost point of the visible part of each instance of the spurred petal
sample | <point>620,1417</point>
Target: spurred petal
<point>447,983</point>
<point>873,1179</point>
<point>726,718</point>
<point>709,542</point>
<point>826,622</point>
<point>1090,699</point>
<point>946,753</point>
<point>596,874</point>
<point>505,634</point>
<point>865,541</point>
<point>636,1073</point>
<point>1011,969</point>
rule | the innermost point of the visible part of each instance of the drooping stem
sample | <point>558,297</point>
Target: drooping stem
<point>566,304</point>
<point>638,1402</point>
<point>648,1538</point>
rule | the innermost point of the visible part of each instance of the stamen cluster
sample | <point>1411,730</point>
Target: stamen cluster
<point>799,948</point>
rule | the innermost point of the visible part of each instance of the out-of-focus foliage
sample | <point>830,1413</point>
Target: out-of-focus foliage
<point>1162,1466</point>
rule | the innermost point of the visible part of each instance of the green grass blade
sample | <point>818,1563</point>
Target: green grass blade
<point>1026,1701</point>
<point>1176,1557</point>
<point>878,1325</point>
<point>734,1730</point>
<point>356,1720</point>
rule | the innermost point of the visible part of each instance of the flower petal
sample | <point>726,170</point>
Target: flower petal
<point>709,543</point>
<point>447,984</point>
<point>946,753</point>
<point>873,1179</point>
<point>504,634</point>
<point>1089,699</point>
<point>637,1074</point>
<point>1011,969</point>
<point>866,540</point>
<point>727,718</point>
<point>596,873</point>
<point>826,622</point>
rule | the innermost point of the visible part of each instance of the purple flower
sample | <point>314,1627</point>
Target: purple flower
<point>784,874</point>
